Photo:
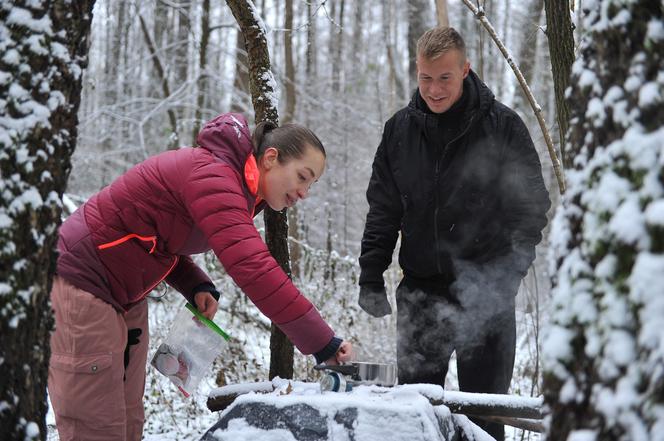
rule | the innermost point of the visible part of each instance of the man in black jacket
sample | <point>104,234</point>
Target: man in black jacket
<point>457,174</point>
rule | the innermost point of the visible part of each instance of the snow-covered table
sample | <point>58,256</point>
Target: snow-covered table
<point>299,411</point>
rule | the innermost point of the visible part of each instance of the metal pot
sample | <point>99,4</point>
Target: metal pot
<point>380,374</point>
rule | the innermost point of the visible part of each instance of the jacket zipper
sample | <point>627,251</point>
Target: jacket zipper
<point>439,159</point>
<point>152,239</point>
<point>147,291</point>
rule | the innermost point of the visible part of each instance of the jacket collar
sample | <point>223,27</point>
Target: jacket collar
<point>251,175</point>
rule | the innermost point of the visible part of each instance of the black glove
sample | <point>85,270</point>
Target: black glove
<point>373,299</point>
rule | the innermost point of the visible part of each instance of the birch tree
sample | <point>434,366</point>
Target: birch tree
<point>44,47</point>
<point>605,349</point>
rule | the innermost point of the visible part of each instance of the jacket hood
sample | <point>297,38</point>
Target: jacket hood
<point>479,101</point>
<point>228,138</point>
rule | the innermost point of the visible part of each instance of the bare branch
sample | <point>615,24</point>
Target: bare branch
<point>480,15</point>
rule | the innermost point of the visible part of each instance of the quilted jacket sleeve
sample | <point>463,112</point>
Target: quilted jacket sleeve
<point>217,205</point>
<point>186,276</point>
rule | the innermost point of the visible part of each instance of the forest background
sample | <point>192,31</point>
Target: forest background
<point>158,70</point>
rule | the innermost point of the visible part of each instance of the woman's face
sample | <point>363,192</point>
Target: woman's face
<point>282,185</point>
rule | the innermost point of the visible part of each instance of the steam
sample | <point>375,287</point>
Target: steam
<point>436,322</point>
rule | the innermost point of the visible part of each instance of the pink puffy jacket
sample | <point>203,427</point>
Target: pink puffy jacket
<point>142,228</point>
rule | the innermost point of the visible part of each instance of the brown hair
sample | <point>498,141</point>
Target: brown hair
<point>290,140</point>
<point>439,40</point>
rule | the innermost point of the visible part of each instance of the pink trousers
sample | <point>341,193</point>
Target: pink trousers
<point>94,396</point>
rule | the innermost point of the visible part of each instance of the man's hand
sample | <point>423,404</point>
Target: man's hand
<point>344,354</point>
<point>206,304</point>
<point>374,301</point>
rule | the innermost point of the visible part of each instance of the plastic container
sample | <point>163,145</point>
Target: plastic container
<point>190,347</point>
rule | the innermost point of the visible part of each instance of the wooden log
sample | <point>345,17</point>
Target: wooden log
<point>519,423</point>
<point>498,405</point>
<point>223,397</point>
<point>513,408</point>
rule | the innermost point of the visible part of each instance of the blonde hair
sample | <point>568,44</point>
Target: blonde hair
<point>439,40</point>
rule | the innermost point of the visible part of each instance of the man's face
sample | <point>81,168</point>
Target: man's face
<point>441,80</point>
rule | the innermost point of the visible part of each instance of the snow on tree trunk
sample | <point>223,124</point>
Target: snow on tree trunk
<point>604,351</point>
<point>44,48</point>
<point>561,50</point>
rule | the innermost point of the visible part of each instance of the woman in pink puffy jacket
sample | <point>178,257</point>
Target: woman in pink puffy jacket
<point>141,230</point>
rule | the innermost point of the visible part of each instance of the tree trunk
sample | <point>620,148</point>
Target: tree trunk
<point>561,49</point>
<point>337,64</point>
<point>479,69</point>
<point>417,11</point>
<point>160,24</point>
<point>290,67</point>
<point>202,82</point>
<point>603,364</point>
<point>38,129</point>
<point>395,74</point>
<point>181,58</point>
<point>442,15</point>
<point>265,106</point>
<point>501,84</point>
<point>311,63</point>
<point>527,51</point>
<point>276,237</point>
<point>293,228</point>
<point>240,98</point>
<point>165,89</point>
<point>110,135</point>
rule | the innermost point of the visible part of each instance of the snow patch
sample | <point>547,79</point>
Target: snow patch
<point>32,430</point>
<point>587,78</point>
<point>628,223</point>
<point>22,17</point>
<point>596,112</point>
<point>29,197</point>
<point>582,435</point>
<point>5,289</point>
<point>655,213</point>
<point>650,94</point>
<point>655,30</point>
<point>11,57</point>
<point>238,428</point>
<point>5,222</point>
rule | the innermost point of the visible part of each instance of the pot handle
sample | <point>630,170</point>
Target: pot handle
<point>344,369</point>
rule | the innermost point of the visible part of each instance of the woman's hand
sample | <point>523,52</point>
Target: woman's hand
<point>344,354</point>
<point>206,304</point>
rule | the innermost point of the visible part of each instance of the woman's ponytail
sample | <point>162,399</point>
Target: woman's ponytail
<point>261,136</point>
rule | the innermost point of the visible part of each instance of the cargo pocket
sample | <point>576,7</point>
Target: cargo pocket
<point>85,387</point>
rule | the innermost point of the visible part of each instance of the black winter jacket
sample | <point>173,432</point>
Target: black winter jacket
<point>480,199</point>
